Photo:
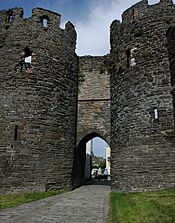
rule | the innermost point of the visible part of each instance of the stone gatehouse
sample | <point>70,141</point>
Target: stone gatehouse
<point>52,102</point>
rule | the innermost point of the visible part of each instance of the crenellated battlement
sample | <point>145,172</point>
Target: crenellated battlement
<point>6,16</point>
<point>142,9</point>
<point>134,17</point>
<point>39,14</point>
<point>135,11</point>
<point>42,17</point>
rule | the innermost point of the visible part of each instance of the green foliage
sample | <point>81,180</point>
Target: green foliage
<point>147,207</point>
<point>12,200</point>
<point>103,165</point>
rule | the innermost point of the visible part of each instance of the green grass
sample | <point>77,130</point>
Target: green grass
<point>12,200</point>
<point>147,207</point>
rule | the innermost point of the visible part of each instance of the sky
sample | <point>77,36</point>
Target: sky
<point>92,19</point>
<point>99,147</point>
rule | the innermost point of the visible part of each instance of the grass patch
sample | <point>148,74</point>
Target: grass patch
<point>12,200</point>
<point>147,207</point>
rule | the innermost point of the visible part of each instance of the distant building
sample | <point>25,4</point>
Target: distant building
<point>88,162</point>
<point>108,158</point>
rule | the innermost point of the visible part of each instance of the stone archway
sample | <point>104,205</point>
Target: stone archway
<point>93,98</point>
<point>93,118</point>
<point>78,173</point>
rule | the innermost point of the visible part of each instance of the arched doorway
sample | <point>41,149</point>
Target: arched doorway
<point>83,157</point>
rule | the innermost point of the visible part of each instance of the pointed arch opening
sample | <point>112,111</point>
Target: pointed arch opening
<point>92,153</point>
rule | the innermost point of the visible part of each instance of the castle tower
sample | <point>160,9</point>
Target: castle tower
<point>38,100</point>
<point>143,98</point>
<point>166,2</point>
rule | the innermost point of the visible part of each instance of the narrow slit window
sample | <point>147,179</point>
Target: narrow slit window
<point>128,58</point>
<point>156,114</point>
<point>133,13</point>
<point>16,133</point>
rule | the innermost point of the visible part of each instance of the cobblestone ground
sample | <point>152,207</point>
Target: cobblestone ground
<point>85,204</point>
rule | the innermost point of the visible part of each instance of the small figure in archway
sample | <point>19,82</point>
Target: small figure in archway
<point>99,173</point>
<point>105,174</point>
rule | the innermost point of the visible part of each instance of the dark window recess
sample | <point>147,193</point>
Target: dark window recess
<point>133,13</point>
<point>9,16</point>
<point>27,59</point>
<point>16,133</point>
<point>27,51</point>
<point>128,58</point>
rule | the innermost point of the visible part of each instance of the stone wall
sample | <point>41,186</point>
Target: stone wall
<point>93,118</point>
<point>38,106</point>
<point>142,144</point>
<point>93,98</point>
<point>44,134</point>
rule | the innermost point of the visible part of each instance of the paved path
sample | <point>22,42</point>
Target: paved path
<point>85,204</point>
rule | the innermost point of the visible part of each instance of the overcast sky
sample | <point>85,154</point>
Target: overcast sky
<point>99,147</point>
<point>92,18</point>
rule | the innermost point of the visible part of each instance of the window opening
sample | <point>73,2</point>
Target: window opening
<point>133,61</point>
<point>9,16</point>
<point>156,114</point>
<point>26,59</point>
<point>45,23</point>
<point>130,58</point>
<point>128,55</point>
<point>16,133</point>
<point>133,13</point>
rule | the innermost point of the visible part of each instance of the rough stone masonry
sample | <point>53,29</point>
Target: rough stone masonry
<point>38,105</point>
<point>142,97</point>
<point>48,113</point>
